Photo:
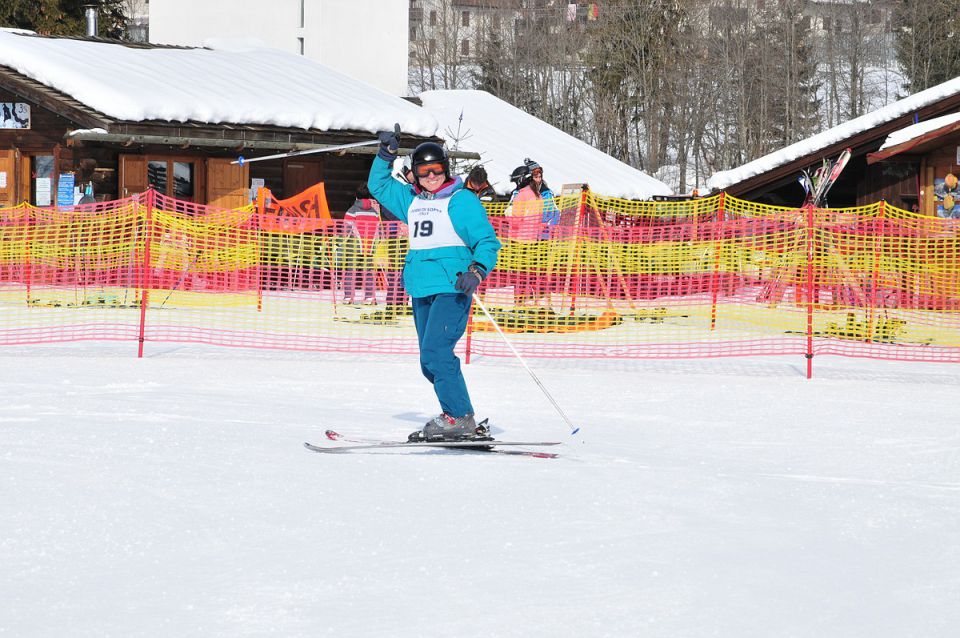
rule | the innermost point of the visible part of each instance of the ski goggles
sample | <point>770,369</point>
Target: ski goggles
<point>435,168</point>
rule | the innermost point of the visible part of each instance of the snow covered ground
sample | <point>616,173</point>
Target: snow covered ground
<point>171,496</point>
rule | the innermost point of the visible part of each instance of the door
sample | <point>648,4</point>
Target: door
<point>8,178</point>
<point>133,174</point>
<point>43,181</point>
<point>299,175</point>
<point>228,185</point>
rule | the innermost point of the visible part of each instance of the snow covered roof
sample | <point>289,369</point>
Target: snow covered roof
<point>245,84</point>
<point>918,130</point>
<point>835,135</point>
<point>504,135</point>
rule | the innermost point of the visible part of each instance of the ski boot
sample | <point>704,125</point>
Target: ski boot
<point>444,427</point>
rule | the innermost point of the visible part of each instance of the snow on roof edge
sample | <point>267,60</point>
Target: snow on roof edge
<point>261,86</point>
<point>916,130</point>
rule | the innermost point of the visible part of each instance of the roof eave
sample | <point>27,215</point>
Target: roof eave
<point>916,145</point>
<point>52,100</point>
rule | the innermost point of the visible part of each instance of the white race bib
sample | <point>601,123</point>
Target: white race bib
<point>430,226</point>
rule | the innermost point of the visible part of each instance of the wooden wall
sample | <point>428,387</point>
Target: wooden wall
<point>44,137</point>
<point>894,181</point>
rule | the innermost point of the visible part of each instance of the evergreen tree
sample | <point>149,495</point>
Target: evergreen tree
<point>928,41</point>
<point>62,17</point>
<point>631,59</point>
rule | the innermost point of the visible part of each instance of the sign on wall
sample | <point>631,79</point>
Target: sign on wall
<point>66,185</point>
<point>14,115</point>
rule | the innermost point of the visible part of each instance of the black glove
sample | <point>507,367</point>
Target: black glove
<point>389,143</point>
<point>467,282</point>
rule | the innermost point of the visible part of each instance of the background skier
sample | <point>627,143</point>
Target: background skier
<point>361,225</point>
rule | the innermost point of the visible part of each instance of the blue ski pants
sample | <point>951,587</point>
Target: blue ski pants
<point>441,320</point>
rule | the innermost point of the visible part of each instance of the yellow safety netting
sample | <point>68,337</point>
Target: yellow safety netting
<point>592,277</point>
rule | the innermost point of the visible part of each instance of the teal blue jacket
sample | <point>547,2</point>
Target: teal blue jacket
<point>433,271</point>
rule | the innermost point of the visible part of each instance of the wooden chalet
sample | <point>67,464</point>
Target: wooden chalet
<point>45,134</point>
<point>904,175</point>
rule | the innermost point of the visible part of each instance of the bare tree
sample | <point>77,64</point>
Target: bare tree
<point>436,47</point>
<point>664,84</point>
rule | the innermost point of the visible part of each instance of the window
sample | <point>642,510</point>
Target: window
<point>183,184</point>
<point>465,47</point>
<point>41,180</point>
<point>433,46</point>
<point>302,23</point>
<point>465,19</point>
<point>183,180</point>
<point>300,45</point>
<point>157,175</point>
<point>433,18</point>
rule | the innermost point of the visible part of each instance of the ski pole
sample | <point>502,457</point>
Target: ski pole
<point>323,149</point>
<point>183,277</point>
<point>573,429</point>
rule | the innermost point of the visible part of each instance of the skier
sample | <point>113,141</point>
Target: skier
<point>361,228</point>
<point>478,182</point>
<point>452,248</point>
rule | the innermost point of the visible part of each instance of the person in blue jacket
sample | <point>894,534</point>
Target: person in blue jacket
<point>452,248</point>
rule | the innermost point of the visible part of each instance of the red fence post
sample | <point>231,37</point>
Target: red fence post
<point>28,241</point>
<point>575,284</point>
<point>715,283</point>
<point>877,250</point>
<point>810,256</point>
<point>146,276</point>
<point>261,206</point>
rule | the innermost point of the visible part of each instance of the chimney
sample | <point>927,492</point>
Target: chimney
<point>91,13</point>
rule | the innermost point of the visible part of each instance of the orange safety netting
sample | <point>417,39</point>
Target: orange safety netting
<point>605,277</point>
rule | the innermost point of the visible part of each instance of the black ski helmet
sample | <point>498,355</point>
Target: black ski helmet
<point>429,153</point>
<point>521,176</point>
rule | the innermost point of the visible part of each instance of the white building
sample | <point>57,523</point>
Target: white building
<point>365,39</point>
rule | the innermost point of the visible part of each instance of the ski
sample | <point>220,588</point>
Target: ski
<point>835,171</point>
<point>817,185</point>
<point>483,445</point>
<point>368,321</point>
<point>487,447</point>
<point>818,179</point>
<point>333,435</point>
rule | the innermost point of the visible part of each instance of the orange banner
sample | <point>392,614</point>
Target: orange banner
<point>302,213</point>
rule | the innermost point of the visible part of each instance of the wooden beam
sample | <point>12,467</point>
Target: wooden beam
<point>232,145</point>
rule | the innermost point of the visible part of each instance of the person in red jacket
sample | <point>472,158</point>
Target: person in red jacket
<point>361,227</point>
